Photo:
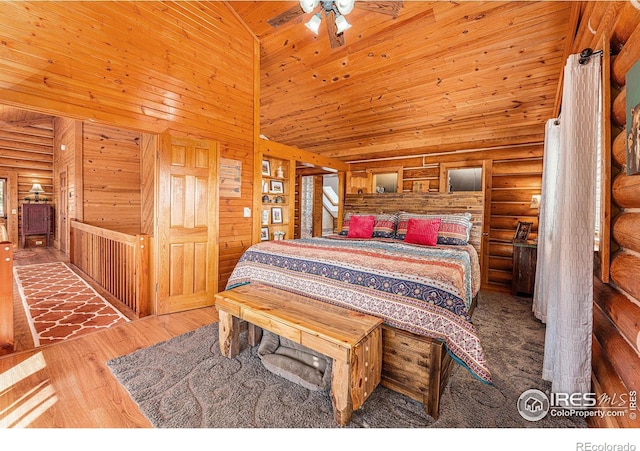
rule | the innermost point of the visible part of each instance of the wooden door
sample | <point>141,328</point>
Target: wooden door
<point>187,224</point>
<point>63,211</point>
<point>11,191</point>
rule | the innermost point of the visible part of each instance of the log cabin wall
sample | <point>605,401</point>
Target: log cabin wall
<point>27,150</point>
<point>616,312</point>
<point>182,67</point>
<point>515,174</point>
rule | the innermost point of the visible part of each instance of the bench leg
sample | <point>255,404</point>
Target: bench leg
<point>254,335</point>
<point>341,392</point>
<point>229,334</point>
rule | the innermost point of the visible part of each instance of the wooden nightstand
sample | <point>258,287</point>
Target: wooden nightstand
<point>525,254</point>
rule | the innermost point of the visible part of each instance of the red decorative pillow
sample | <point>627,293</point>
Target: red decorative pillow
<point>423,231</point>
<point>361,226</point>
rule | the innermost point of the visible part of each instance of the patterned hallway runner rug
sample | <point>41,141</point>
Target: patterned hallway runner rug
<point>60,305</point>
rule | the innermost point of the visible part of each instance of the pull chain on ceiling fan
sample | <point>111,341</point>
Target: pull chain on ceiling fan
<point>334,11</point>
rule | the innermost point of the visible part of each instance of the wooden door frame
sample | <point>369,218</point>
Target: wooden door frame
<point>12,204</point>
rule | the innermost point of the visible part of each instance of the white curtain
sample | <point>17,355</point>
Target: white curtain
<point>545,277</point>
<point>564,280</point>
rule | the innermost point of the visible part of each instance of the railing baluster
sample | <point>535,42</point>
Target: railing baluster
<point>118,262</point>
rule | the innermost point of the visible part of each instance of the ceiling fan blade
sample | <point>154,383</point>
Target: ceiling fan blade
<point>391,8</point>
<point>286,16</point>
<point>336,40</point>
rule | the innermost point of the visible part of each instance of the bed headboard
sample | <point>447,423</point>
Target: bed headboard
<point>423,203</point>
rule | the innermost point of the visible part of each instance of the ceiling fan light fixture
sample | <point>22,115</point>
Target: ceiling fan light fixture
<point>345,6</point>
<point>314,23</point>
<point>341,24</point>
<point>308,5</point>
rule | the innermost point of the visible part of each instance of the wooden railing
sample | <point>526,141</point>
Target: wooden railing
<point>116,261</point>
<point>6,293</point>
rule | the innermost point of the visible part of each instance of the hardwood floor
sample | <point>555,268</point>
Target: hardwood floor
<point>68,385</point>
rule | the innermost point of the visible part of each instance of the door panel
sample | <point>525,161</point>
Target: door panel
<point>187,224</point>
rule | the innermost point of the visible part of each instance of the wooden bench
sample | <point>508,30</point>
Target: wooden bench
<point>353,340</point>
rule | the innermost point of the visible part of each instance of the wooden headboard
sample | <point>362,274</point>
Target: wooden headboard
<point>423,203</point>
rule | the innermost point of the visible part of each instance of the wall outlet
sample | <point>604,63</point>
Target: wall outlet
<point>247,212</point>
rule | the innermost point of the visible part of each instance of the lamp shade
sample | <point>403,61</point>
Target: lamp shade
<point>314,23</point>
<point>341,24</point>
<point>308,5</point>
<point>345,6</point>
<point>36,188</point>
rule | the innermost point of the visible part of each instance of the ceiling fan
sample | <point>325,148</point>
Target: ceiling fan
<point>334,12</point>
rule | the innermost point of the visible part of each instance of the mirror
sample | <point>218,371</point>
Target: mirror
<point>465,179</point>
<point>386,183</point>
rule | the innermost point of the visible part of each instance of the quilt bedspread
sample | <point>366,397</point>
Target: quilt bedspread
<point>424,290</point>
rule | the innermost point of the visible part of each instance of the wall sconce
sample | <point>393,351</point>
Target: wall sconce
<point>535,201</point>
<point>36,189</point>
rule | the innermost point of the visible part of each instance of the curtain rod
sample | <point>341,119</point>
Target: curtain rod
<point>586,54</point>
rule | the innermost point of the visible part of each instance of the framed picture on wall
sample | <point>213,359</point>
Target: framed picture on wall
<point>277,187</point>
<point>633,119</point>
<point>264,234</point>
<point>276,215</point>
<point>522,231</point>
<point>266,167</point>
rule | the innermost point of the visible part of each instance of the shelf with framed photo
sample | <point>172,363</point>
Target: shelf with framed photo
<point>277,185</point>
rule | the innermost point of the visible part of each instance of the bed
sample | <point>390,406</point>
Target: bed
<point>424,294</point>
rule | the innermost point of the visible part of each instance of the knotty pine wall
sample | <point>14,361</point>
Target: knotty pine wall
<point>111,178</point>
<point>514,175</point>
<point>28,151</point>
<point>616,310</point>
<point>182,67</point>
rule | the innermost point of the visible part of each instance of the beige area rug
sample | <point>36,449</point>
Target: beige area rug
<point>186,383</point>
<point>60,305</point>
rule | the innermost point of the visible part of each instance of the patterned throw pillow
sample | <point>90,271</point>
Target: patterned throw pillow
<point>422,231</point>
<point>454,228</point>
<point>384,225</point>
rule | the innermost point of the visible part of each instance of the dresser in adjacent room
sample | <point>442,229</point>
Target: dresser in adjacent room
<point>36,220</point>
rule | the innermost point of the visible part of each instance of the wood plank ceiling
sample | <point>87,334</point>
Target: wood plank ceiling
<point>442,76</point>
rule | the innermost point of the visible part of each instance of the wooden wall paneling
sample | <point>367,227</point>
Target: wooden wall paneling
<point>112,181</point>
<point>199,80</point>
<point>627,21</point>
<point>487,189</point>
<point>604,244</point>
<point>625,230</point>
<point>616,365</point>
<point>621,355</point>
<point>605,382</point>
<point>27,152</point>
<point>608,19</point>
<point>590,17</point>
<point>625,272</point>
<point>619,150</point>
<point>626,58</point>
<point>626,190</point>
<point>619,110</point>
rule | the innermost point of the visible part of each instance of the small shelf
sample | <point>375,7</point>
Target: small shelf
<point>285,189</point>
